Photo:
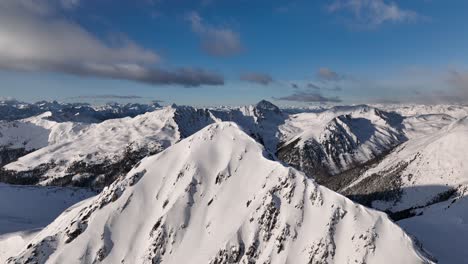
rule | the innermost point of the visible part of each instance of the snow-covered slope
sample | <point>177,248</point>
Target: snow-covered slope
<point>329,142</point>
<point>215,197</point>
<point>99,153</point>
<point>30,207</point>
<point>442,229</point>
<point>407,110</point>
<point>22,136</point>
<point>12,243</point>
<point>422,181</point>
<point>321,143</point>
<point>37,132</point>
<point>24,210</point>
<point>420,172</point>
<point>103,151</point>
<point>424,125</point>
<point>85,113</point>
<point>317,143</point>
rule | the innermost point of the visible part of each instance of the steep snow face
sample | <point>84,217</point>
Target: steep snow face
<point>331,142</point>
<point>418,173</point>
<point>190,120</point>
<point>99,152</point>
<point>215,197</point>
<point>261,121</point>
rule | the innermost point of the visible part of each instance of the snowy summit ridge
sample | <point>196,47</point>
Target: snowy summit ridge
<point>215,197</point>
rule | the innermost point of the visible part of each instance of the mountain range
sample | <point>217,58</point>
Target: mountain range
<point>276,214</point>
<point>406,161</point>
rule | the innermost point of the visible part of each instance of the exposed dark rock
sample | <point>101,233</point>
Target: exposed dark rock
<point>231,254</point>
<point>342,180</point>
<point>310,158</point>
<point>269,218</point>
<point>8,155</point>
<point>91,175</point>
<point>28,177</point>
<point>385,186</point>
<point>413,211</point>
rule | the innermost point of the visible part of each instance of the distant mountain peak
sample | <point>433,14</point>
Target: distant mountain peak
<point>266,105</point>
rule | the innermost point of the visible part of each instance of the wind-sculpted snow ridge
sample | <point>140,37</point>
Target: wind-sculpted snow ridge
<point>215,197</point>
<point>330,142</point>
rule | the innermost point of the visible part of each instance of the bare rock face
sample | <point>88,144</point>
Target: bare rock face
<point>215,198</point>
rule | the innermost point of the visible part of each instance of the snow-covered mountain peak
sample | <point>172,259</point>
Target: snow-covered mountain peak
<point>371,113</point>
<point>215,197</point>
<point>330,142</point>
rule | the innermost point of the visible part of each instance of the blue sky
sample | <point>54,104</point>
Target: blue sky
<point>212,52</point>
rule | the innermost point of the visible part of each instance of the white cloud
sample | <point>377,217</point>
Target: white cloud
<point>309,97</point>
<point>215,41</point>
<point>257,77</point>
<point>69,4</point>
<point>372,13</point>
<point>458,79</point>
<point>326,74</point>
<point>34,36</point>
